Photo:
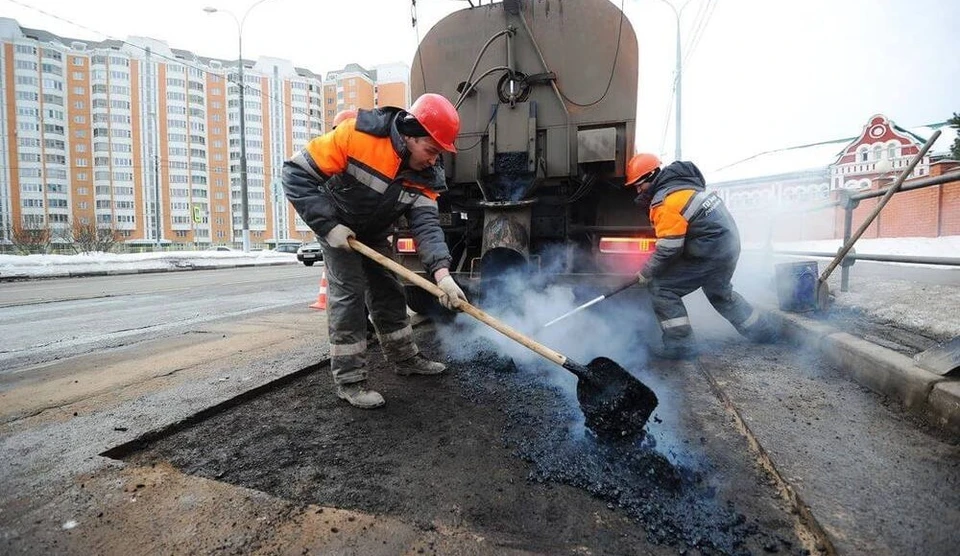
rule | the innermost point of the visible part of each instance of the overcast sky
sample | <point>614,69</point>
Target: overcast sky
<point>765,74</point>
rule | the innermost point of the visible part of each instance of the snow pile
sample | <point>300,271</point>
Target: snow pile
<point>931,309</point>
<point>51,266</point>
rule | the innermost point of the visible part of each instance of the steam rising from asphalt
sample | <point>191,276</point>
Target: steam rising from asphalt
<point>620,328</point>
<point>609,330</point>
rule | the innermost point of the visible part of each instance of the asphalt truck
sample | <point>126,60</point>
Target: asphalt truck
<point>547,94</point>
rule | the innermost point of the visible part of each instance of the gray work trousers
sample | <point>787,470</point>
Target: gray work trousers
<point>352,282</point>
<point>686,276</point>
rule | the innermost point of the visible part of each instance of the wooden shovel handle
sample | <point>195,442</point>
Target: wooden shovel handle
<point>476,313</point>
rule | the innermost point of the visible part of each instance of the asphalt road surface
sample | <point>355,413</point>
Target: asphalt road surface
<point>752,449</point>
<point>48,320</point>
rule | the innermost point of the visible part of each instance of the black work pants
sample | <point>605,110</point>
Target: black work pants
<point>685,276</point>
<point>354,281</point>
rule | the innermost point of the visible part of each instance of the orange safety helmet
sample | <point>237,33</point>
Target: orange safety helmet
<point>342,116</point>
<point>439,118</point>
<point>642,167</point>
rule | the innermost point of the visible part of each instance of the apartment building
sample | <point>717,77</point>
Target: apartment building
<point>356,87</point>
<point>145,139</point>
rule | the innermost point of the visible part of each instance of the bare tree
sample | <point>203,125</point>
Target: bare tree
<point>31,238</point>
<point>85,237</point>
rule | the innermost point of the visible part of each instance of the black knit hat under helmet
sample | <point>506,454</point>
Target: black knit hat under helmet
<point>408,125</point>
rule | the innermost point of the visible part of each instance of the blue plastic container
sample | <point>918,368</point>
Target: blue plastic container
<point>797,286</point>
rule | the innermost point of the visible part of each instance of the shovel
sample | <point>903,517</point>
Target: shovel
<point>593,301</point>
<point>614,403</point>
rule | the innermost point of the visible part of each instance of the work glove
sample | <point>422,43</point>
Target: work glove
<point>451,292</point>
<point>642,280</point>
<point>337,237</point>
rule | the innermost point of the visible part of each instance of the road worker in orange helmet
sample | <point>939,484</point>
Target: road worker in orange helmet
<point>698,246</point>
<point>357,181</point>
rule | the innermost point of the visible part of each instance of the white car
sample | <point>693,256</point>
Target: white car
<point>309,253</point>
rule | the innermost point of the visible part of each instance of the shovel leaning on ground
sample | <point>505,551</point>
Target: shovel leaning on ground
<point>615,404</point>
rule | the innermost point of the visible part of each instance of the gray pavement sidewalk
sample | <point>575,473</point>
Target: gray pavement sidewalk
<point>874,332</point>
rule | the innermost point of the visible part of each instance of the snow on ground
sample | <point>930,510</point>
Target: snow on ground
<point>927,308</point>
<point>931,309</point>
<point>52,266</point>
<point>948,246</point>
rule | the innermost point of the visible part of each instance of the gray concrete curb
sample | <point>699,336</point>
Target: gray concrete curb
<point>882,370</point>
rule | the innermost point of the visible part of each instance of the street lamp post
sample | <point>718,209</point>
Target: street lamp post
<point>679,76</point>
<point>244,197</point>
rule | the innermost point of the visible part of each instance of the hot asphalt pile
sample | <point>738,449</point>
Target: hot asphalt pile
<point>488,447</point>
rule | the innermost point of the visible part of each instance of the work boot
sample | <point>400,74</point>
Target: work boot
<point>419,365</point>
<point>765,331</point>
<point>358,396</point>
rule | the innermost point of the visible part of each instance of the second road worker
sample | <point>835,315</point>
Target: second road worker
<point>698,246</point>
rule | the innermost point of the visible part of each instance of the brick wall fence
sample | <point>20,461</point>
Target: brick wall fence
<point>929,212</point>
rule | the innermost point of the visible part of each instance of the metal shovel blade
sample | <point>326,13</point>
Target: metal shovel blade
<point>615,404</point>
<point>942,359</point>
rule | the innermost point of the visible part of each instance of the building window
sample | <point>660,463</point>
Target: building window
<point>893,151</point>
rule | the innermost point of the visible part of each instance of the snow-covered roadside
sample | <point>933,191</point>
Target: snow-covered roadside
<point>51,266</point>
<point>932,309</point>
<point>947,246</point>
<point>926,308</point>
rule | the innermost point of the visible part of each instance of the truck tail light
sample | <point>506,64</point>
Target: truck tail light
<point>406,245</point>
<point>627,245</point>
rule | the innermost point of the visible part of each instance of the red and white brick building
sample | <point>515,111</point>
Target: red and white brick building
<point>774,195</point>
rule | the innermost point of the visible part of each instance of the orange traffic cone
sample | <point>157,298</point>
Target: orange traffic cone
<point>322,295</point>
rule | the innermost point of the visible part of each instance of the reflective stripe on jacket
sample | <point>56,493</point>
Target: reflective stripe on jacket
<point>354,176</point>
<point>688,221</point>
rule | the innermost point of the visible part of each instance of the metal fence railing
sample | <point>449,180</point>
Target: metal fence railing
<point>845,257</point>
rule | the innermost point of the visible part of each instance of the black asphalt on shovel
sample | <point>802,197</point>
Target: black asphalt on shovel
<point>593,301</point>
<point>614,403</point>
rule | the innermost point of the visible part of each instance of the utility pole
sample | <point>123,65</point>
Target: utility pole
<point>679,90</point>
<point>153,152</point>
<point>244,197</point>
<point>678,83</point>
<point>156,200</point>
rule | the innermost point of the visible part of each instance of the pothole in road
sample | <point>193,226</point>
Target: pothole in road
<point>487,447</point>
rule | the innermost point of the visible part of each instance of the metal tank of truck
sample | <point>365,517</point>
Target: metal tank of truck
<point>547,93</point>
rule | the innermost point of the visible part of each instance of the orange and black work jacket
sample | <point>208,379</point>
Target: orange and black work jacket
<point>356,175</point>
<point>690,223</point>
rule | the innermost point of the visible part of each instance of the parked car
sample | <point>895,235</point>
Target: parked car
<point>309,253</point>
<point>287,248</point>
<point>219,248</point>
